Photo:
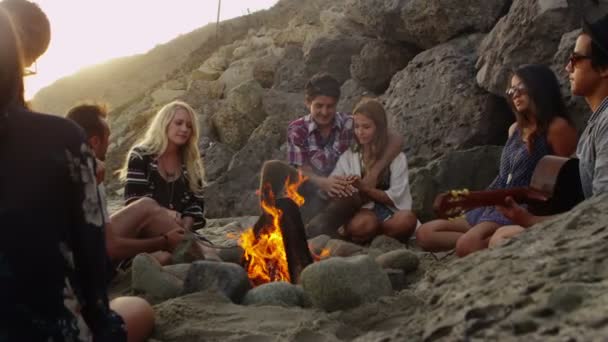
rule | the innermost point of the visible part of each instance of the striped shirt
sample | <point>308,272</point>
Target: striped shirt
<point>592,152</point>
<point>145,180</point>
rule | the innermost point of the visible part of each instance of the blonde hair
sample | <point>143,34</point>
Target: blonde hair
<point>373,110</point>
<point>155,142</point>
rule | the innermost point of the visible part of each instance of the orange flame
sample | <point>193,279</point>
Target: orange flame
<point>324,254</point>
<point>265,255</point>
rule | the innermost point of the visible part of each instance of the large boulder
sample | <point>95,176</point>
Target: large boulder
<point>277,294</point>
<point>232,127</point>
<point>351,93</point>
<point>216,158</point>
<point>289,75</point>
<point>237,73</point>
<point>333,54</point>
<point>378,61</point>
<point>472,169</point>
<point>425,23</point>
<point>529,33</point>
<point>344,283</point>
<point>246,98</point>
<point>435,103</point>
<point>226,278</point>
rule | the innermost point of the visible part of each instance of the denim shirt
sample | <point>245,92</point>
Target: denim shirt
<point>592,151</point>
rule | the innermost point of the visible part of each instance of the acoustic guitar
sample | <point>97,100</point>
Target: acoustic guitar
<point>555,187</point>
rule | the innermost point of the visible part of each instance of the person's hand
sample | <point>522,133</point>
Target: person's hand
<point>173,238</point>
<point>369,181</point>
<point>516,213</point>
<point>100,171</point>
<point>337,186</point>
<point>362,186</point>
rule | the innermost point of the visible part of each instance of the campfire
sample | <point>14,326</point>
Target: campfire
<point>276,248</point>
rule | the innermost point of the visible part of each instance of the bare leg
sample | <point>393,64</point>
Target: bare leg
<point>138,316</point>
<point>363,227</point>
<point>142,218</point>
<point>401,225</point>
<point>441,235</point>
<point>476,239</point>
<point>503,234</point>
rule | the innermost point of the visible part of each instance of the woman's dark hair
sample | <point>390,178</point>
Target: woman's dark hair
<point>11,66</point>
<point>598,32</point>
<point>546,102</point>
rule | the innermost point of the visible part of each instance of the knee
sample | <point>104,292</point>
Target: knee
<point>146,203</point>
<point>424,235</point>
<point>466,245</point>
<point>403,226</point>
<point>504,233</point>
<point>363,227</point>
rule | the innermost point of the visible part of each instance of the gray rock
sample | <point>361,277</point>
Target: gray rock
<point>339,248</point>
<point>386,244</point>
<point>238,72</point>
<point>264,70</point>
<point>232,127</point>
<point>397,278</point>
<point>178,270</point>
<point>227,278</point>
<point>149,278</point>
<point>351,93</point>
<point>435,103</point>
<point>400,259</point>
<point>333,55</point>
<point>472,169</point>
<point>275,293</point>
<point>289,75</point>
<point>233,255</point>
<point>567,298</point>
<point>343,283</point>
<point>378,61</point>
<point>216,159</point>
<point>318,243</point>
<point>529,33</point>
<point>246,98</point>
<point>187,251</point>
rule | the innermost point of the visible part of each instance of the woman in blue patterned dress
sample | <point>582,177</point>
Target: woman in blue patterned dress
<point>542,127</point>
<point>52,250</point>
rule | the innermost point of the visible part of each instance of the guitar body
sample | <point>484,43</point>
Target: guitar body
<point>555,187</point>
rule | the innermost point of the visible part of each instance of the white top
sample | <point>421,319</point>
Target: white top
<point>399,191</point>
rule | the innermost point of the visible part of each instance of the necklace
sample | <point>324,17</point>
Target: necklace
<point>170,189</point>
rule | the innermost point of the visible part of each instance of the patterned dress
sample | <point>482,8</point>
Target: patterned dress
<point>52,244</point>
<point>517,165</point>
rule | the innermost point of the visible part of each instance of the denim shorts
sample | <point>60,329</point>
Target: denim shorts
<point>382,212</point>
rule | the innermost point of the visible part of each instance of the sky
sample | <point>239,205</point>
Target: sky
<point>88,32</point>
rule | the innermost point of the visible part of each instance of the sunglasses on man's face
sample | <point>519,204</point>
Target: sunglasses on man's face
<point>576,57</point>
<point>516,90</point>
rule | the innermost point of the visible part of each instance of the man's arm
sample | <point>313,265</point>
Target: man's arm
<point>393,148</point>
<point>120,248</point>
<point>520,215</point>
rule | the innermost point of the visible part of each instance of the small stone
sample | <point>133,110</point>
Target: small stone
<point>343,248</point>
<point>318,243</point>
<point>397,278</point>
<point>566,298</point>
<point>275,293</point>
<point>233,255</point>
<point>178,270</point>
<point>386,243</point>
<point>149,278</point>
<point>399,259</point>
<point>227,278</point>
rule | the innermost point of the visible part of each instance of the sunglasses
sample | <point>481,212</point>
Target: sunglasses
<point>576,57</point>
<point>517,90</point>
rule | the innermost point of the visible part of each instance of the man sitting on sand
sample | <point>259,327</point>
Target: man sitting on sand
<point>315,143</point>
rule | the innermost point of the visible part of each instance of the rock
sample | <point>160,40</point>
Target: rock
<point>386,244</point>
<point>178,270</point>
<point>529,33</point>
<point>227,278</point>
<point>204,91</point>
<point>149,278</point>
<point>216,159</point>
<point>343,283</point>
<point>264,70</point>
<point>178,84</point>
<point>460,115</point>
<point>289,75</point>
<point>187,251</point>
<point>378,61</point>
<point>425,23</point>
<point>472,169</point>
<point>400,259</point>
<point>240,52</point>
<point>246,98</point>
<point>275,293</point>
<point>238,72</point>
<point>397,278</point>
<point>351,93</point>
<point>163,96</point>
<point>233,255</point>
<point>334,21</point>
<point>341,248</point>
<point>232,127</point>
<point>284,105</point>
<point>205,73</point>
<point>332,55</point>
<point>318,244</point>
<point>567,298</point>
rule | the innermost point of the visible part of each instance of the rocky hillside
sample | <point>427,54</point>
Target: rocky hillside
<point>440,67</point>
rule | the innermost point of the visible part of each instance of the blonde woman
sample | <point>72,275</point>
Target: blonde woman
<point>164,170</point>
<point>387,208</point>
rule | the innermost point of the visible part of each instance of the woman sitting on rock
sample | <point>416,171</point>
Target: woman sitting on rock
<point>542,127</point>
<point>387,206</point>
<point>165,167</point>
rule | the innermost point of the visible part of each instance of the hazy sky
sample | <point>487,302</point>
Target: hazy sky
<point>86,32</point>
